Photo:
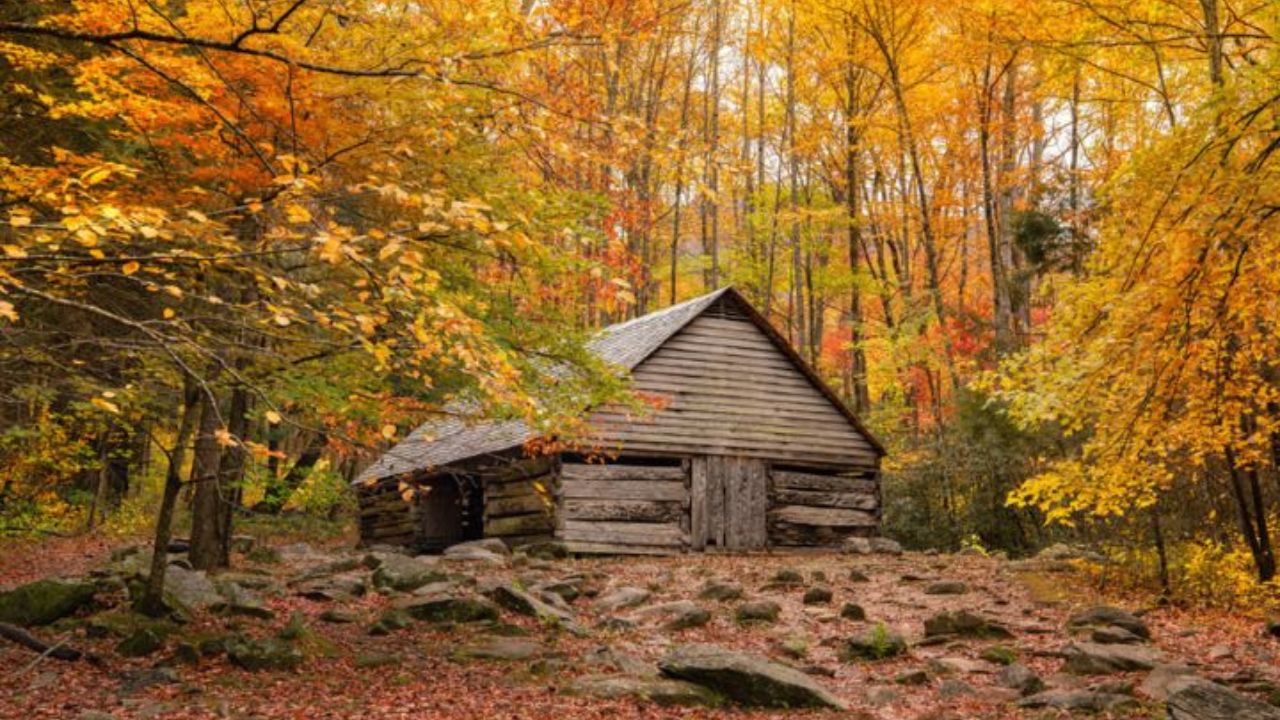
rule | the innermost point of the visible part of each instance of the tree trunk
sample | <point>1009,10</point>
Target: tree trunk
<point>209,502</point>
<point>152,600</point>
<point>279,492</point>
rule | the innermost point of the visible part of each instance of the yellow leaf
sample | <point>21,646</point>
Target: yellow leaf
<point>281,320</point>
<point>273,417</point>
<point>297,214</point>
<point>19,220</point>
<point>14,251</point>
<point>130,267</point>
<point>168,313</point>
<point>224,437</point>
<point>7,311</point>
<point>107,405</point>
<point>197,216</point>
<point>388,431</point>
<point>96,175</point>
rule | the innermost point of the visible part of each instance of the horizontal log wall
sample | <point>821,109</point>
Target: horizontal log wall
<point>811,509</point>
<point>623,509</point>
<point>730,391</point>
<point>519,501</point>
<point>385,516</point>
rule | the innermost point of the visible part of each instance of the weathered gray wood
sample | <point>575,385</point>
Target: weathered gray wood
<point>732,392</point>
<point>831,517</point>
<point>533,523</point>
<point>622,489</point>
<point>850,500</point>
<point>624,533</point>
<point>699,530</point>
<point>594,548</point>
<point>584,471</point>
<point>623,510</point>
<point>783,479</point>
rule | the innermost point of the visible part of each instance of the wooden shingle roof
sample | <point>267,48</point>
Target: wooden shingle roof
<point>462,436</point>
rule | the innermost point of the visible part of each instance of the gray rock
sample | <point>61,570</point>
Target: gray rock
<point>609,658</point>
<point>567,590</point>
<point>546,550</point>
<point>523,603</point>
<point>1104,615</point>
<point>499,648</point>
<point>1156,685</point>
<point>44,601</point>
<point>912,677</point>
<point>1021,678</point>
<point>405,574</point>
<point>946,587</point>
<point>448,608</point>
<point>949,665</point>
<point>952,688</point>
<point>137,680</point>
<point>1114,635</point>
<point>818,595</point>
<point>622,597</point>
<point>339,617</point>
<point>876,643</point>
<point>491,545</point>
<point>963,623</point>
<point>1194,698</point>
<point>263,654</point>
<point>663,692</point>
<point>1071,700</point>
<point>1097,659</point>
<point>190,590</point>
<point>677,615</point>
<point>856,575</point>
<point>336,588</point>
<point>885,546</point>
<point>749,680</point>
<point>721,590</point>
<point>1061,551</point>
<point>758,611</point>
<point>475,556</point>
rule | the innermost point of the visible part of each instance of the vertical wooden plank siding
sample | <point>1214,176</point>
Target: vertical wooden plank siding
<point>698,521</point>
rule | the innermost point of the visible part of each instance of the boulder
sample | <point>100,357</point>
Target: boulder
<point>622,597</point>
<point>1072,700</point>
<point>946,587</point>
<point>498,648</point>
<point>335,588</point>
<point>1156,685</point>
<point>885,546</point>
<point>963,623</point>
<point>875,643</point>
<point>523,603</point>
<point>1194,698</point>
<point>912,677</point>
<point>405,574</point>
<point>475,556</point>
<point>1105,615</point>
<point>448,608</point>
<point>758,611</point>
<point>1097,659</point>
<point>44,601</point>
<point>1114,635</point>
<point>190,590</point>
<point>263,654</point>
<point>856,575</point>
<point>546,550</point>
<point>721,590</point>
<point>677,615</point>
<point>568,589</point>
<point>663,692</point>
<point>491,545</point>
<point>786,578</point>
<point>853,611</point>
<point>952,688</point>
<point>818,595</point>
<point>999,655</point>
<point>145,641</point>
<point>1059,552</point>
<point>748,680</point>
<point>337,616</point>
<point>1021,678</point>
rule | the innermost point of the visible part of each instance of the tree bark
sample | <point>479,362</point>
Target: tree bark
<point>209,501</point>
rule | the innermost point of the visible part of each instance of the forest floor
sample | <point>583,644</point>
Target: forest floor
<point>431,669</point>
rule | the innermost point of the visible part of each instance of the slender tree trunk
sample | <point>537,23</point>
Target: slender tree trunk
<point>852,180</point>
<point>152,600</point>
<point>207,506</point>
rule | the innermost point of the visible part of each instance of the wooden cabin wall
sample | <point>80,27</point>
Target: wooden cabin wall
<point>385,516</point>
<point>730,391</point>
<point>519,500</point>
<point>624,508</point>
<point>811,509</point>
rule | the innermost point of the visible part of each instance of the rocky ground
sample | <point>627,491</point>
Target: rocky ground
<point>302,632</point>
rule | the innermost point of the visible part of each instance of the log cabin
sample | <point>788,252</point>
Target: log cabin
<point>747,448</point>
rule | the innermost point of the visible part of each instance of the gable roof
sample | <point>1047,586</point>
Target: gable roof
<point>626,344</point>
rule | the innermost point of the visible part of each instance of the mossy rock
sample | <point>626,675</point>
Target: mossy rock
<point>390,621</point>
<point>877,643</point>
<point>44,601</point>
<point>853,611</point>
<point>963,623</point>
<point>1000,655</point>
<point>141,643</point>
<point>758,611</point>
<point>450,610</point>
<point>263,654</point>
